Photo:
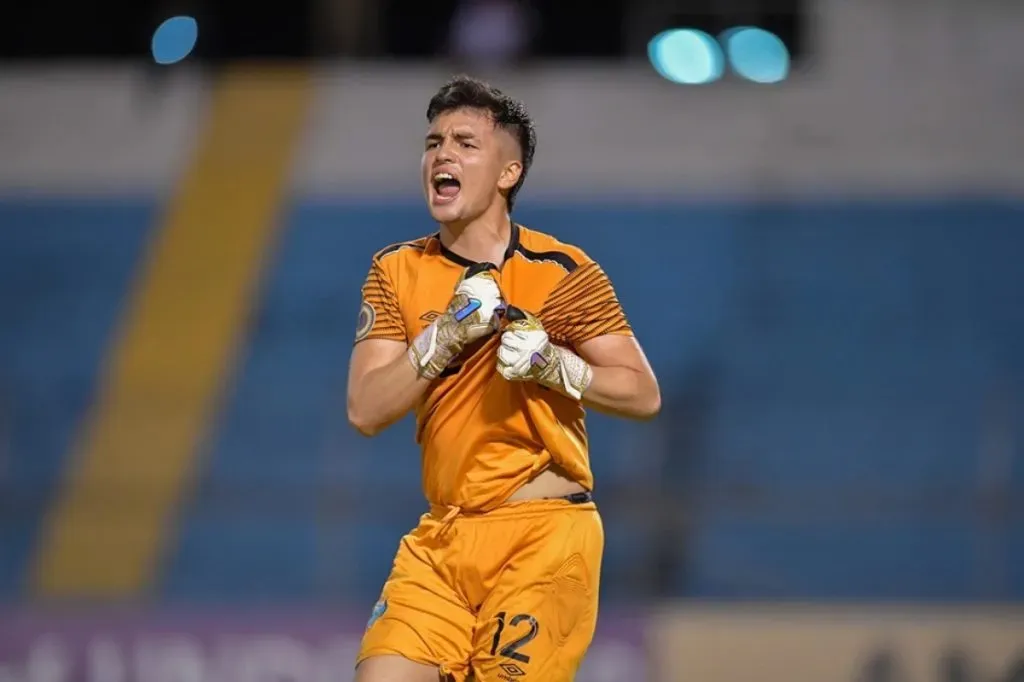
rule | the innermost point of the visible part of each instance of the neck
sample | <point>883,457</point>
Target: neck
<point>483,240</point>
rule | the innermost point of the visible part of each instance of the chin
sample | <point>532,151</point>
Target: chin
<point>447,213</point>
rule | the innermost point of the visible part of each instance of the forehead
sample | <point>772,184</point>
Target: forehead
<point>469,120</point>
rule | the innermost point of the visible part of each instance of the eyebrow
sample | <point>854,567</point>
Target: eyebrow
<point>434,137</point>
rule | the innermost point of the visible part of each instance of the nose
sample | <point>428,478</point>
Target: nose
<point>444,153</point>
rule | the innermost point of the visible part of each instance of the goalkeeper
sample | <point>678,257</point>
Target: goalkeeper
<point>497,336</point>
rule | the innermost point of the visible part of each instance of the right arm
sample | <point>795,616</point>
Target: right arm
<point>382,385</point>
<point>386,375</point>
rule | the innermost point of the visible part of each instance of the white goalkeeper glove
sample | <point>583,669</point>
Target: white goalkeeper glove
<point>526,354</point>
<point>472,314</point>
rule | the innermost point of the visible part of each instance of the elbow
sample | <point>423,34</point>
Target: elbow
<point>362,422</point>
<point>649,405</point>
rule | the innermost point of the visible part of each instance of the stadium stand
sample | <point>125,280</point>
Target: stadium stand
<point>65,271</point>
<point>852,459</point>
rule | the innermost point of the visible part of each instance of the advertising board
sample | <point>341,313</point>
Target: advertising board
<point>215,645</point>
<point>746,643</point>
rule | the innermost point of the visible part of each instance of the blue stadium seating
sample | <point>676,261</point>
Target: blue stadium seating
<point>65,269</point>
<point>851,401</point>
<point>846,353</point>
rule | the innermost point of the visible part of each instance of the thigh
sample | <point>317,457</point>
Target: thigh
<point>419,618</point>
<point>539,620</point>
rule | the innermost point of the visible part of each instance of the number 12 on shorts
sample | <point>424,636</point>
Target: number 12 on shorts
<point>511,650</point>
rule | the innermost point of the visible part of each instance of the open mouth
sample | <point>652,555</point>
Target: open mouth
<point>446,186</point>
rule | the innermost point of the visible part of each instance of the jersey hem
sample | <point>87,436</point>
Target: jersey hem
<point>391,651</point>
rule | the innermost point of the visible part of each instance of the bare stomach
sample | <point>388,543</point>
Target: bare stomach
<point>552,482</point>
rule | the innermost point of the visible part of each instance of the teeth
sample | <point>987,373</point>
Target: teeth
<point>439,177</point>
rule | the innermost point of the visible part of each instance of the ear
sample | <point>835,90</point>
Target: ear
<point>510,175</point>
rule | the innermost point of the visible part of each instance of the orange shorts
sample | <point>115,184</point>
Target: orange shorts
<point>510,595</point>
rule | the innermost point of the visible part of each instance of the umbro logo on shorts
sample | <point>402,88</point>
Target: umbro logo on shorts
<point>511,671</point>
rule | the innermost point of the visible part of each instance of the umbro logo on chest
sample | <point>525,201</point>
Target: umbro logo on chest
<point>430,316</point>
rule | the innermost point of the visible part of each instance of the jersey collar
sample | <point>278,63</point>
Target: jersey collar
<point>513,244</point>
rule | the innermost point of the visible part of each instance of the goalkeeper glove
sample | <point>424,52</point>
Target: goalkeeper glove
<point>472,314</point>
<point>526,354</point>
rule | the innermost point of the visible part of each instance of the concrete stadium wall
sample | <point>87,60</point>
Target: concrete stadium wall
<point>908,98</point>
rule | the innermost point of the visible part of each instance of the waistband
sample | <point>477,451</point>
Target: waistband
<point>447,515</point>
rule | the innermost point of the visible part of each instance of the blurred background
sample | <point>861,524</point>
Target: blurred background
<point>813,214</point>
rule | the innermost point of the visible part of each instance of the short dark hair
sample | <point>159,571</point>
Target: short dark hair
<point>464,92</point>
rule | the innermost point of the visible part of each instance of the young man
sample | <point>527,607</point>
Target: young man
<point>500,580</point>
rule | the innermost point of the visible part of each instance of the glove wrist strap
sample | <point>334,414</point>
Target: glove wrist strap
<point>568,373</point>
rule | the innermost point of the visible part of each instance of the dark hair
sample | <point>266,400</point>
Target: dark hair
<point>463,92</point>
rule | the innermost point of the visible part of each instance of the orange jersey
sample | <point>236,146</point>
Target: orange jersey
<point>483,437</point>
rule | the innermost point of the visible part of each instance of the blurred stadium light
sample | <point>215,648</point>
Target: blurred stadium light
<point>686,56</point>
<point>692,57</point>
<point>174,39</point>
<point>756,54</point>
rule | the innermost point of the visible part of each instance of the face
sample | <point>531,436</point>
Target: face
<point>467,165</point>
